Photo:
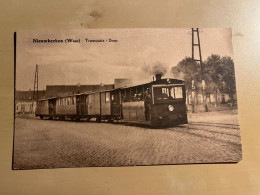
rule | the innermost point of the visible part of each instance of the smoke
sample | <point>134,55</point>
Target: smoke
<point>155,68</point>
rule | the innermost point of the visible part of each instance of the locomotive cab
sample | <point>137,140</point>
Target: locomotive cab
<point>168,106</point>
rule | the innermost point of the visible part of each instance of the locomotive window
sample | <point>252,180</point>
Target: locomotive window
<point>112,97</point>
<point>167,93</point>
<point>178,92</point>
<point>161,93</point>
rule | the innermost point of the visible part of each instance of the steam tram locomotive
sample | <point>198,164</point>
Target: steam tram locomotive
<point>158,103</point>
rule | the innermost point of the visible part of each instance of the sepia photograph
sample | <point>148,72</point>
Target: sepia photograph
<point>124,97</point>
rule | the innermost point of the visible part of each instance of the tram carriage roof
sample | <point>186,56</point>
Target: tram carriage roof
<point>71,95</point>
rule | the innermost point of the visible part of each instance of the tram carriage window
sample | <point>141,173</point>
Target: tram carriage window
<point>140,93</point>
<point>128,95</point>
<point>107,99</point>
<point>123,96</point>
<point>112,97</point>
<point>89,99</point>
<point>137,97</point>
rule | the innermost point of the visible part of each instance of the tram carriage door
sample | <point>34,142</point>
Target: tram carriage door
<point>81,104</point>
<point>52,106</point>
<point>105,103</point>
<point>78,104</point>
<point>115,103</point>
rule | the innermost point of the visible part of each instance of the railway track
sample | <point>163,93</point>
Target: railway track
<point>221,133</point>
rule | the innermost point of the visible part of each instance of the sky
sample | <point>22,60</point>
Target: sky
<point>132,56</point>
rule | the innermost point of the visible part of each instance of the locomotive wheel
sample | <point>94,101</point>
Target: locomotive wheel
<point>155,124</point>
<point>41,117</point>
<point>50,117</point>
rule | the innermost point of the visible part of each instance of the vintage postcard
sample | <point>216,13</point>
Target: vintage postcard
<point>124,97</point>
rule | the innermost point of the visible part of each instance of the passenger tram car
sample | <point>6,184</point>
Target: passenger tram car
<point>158,103</point>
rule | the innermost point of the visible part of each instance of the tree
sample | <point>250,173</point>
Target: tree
<point>213,74</point>
<point>190,71</point>
<point>218,74</point>
<point>229,77</point>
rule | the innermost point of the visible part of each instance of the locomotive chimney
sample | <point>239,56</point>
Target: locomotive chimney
<point>158,77</point>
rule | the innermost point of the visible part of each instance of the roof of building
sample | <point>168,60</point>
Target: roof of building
<point>28,95</point>
<point>123,82</point>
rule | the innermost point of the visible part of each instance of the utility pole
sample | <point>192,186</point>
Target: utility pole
<point>203,84</point>
<point>35,86</point>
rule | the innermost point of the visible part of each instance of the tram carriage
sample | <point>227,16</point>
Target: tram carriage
<point>158,103</point>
